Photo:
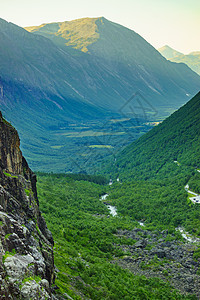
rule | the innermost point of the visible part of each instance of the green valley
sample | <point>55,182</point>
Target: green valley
<point>90,246</point>
<point>112,211</point>
<point>90,74</point>
<point>78,147</point>
<point>156,231</point>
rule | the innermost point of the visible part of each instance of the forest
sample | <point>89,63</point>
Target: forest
<point>86,239</point>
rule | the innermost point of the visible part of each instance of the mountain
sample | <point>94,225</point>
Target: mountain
<point>168,52</point>
<point>78,34</point>
<point>157,153</point>
<point>26,258</point>
<point>192,59</point>
<point>46,85</point>
<point>126,55</point>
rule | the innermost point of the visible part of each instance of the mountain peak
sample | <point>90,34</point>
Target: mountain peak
<point>169,52</point>
<point>78,33</point>
<point>192,59</point>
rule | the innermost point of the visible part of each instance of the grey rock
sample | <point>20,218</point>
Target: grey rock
<point>23,228</point>
<point>16,266</point>
<point>44,283</point>
<point>141,244</point>
<point>159,252</point>
<point>32,290</point>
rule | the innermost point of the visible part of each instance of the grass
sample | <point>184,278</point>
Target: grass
<point>37,279</point>
<point>7,236</point>
<point>119,120</point>
<point>190,195</point>
<point>100,146</point>
<point>56,147</point>
<point>8,254</point>
<point>9,175</point>
<point>28,192</point>
<point>88,133</point>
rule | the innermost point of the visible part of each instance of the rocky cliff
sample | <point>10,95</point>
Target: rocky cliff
<point>26,245</point>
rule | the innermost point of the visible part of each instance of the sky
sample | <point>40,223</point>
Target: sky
<point>161,22</point>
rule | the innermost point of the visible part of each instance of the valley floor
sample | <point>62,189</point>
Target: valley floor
<point>98,256</point>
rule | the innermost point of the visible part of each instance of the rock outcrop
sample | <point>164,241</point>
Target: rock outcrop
<point>26,245</point>
<point>160,254</point>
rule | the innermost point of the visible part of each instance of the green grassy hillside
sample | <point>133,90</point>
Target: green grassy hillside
<point>155,169</point>
<point>175,139</point>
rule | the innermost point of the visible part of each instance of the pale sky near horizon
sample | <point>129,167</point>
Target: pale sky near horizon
<point>161,22</point>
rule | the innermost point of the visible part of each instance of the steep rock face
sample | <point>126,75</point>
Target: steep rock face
<point>26,245</point>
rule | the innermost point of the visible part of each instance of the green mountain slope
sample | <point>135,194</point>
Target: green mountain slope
<point>192,59</point>
<point>154,155</point>
<point>159,173</point>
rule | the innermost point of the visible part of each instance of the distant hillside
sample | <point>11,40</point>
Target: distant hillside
<point>129,64</point>
<point>192,59</point>
<point>168,52</point>
<point>155,154</point>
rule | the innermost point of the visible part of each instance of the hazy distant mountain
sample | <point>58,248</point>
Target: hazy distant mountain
<point>85,69</point>
<point>128,62</point>
<point>192,59</point>
<point>168,52</point>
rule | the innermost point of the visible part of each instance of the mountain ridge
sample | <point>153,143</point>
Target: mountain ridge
<point>65,30</point>
<point>169,52</point>
<point>192,59</point>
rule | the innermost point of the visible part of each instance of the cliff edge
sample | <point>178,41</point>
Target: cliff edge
<point>26,245</point>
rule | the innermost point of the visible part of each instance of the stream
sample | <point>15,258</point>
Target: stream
<point>112,209</point>
<point>188,237</point>
<point>185,235</point>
